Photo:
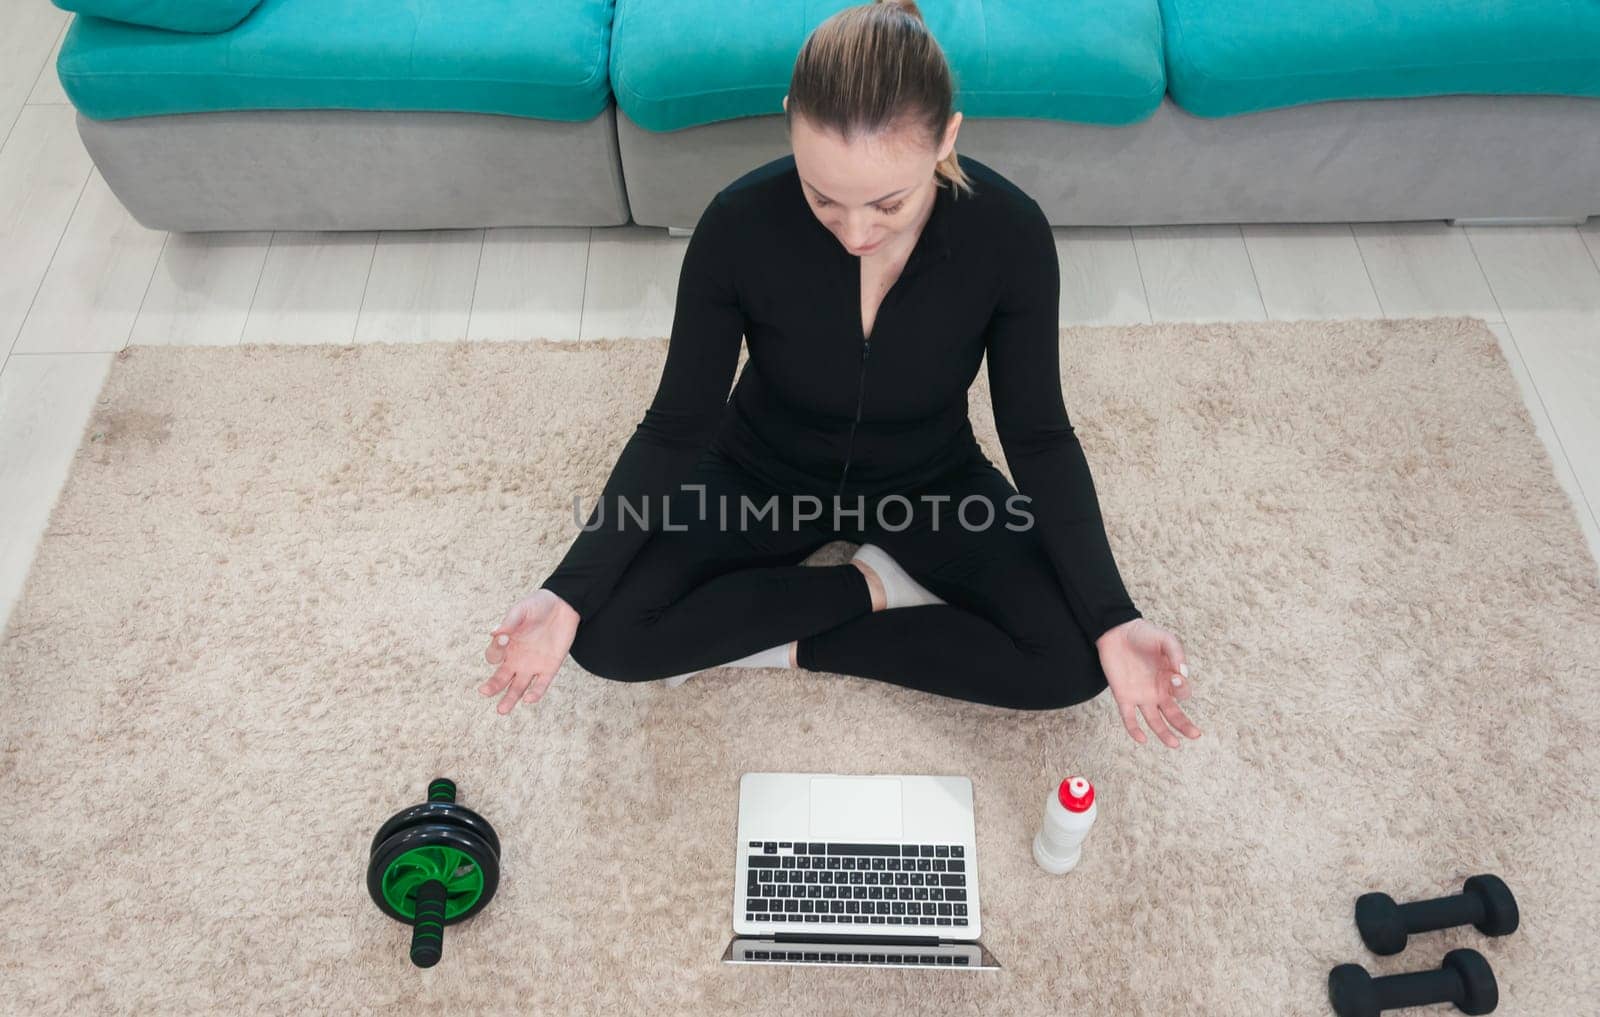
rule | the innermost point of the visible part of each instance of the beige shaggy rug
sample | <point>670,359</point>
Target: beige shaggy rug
<point>255,628</point>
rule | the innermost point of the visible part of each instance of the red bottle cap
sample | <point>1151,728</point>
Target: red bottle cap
<point>1076,794</point>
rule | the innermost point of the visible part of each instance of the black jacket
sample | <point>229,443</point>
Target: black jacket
<point>982,277</point>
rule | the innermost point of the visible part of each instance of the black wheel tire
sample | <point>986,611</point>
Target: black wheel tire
<point>437,813</point>
<point>438,835</point>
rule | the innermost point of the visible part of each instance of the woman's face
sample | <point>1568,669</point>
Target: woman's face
<point>871,194</point>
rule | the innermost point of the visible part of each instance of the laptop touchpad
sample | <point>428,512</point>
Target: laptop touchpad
<point>855,808</point>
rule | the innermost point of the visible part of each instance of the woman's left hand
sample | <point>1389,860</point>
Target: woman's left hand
<point>1145,668</point>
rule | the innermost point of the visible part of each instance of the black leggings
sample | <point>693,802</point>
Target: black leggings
<point>708,594</point>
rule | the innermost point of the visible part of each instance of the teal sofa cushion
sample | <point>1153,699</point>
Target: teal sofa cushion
<point>175,15</point>
<point>680,63</point>
<point>1237,56</point>
<point>531,58</point>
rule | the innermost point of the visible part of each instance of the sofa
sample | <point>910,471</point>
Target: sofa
<point>410,114</point>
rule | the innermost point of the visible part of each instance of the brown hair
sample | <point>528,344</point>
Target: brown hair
<point>874,68</point>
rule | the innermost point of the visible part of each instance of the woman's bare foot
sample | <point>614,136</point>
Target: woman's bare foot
<point>880,599</point>
<point>794,653</point>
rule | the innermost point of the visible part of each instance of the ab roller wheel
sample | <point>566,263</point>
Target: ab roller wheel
<point>433,865</point>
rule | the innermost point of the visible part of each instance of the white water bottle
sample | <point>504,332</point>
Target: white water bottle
<point>1069,811</point>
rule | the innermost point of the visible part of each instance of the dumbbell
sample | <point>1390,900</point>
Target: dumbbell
<point>1463,979</point>
<point>1485,903</point>
<point>433,865</point>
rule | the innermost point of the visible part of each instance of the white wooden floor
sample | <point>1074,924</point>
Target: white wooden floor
<point>79,279</point>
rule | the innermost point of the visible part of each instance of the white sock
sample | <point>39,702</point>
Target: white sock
<point>774,656</point>
<point>900,590</point>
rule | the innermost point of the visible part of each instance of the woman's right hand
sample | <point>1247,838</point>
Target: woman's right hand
<point>529,646</point>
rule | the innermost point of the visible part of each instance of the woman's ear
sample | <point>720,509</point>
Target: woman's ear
<point>951,130</point>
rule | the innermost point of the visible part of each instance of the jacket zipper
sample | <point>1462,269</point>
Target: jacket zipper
<point>861,387</point>
<point>909,269</point>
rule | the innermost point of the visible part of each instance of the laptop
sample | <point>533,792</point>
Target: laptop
<point>876,870</point>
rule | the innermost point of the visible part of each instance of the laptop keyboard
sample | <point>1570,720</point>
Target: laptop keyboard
<point>917,885</point>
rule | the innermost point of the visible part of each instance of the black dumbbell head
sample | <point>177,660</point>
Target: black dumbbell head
<point>1499,907</point>
<point>1481,994</point>
<point>1379,922</point>
<point>1350,990</point>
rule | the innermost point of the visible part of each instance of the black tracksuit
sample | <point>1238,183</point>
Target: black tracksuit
<point>822,410</point>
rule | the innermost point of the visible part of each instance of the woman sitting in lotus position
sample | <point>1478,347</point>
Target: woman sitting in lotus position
<point>870,272</point>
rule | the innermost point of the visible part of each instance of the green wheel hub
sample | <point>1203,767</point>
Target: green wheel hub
<point>458,871</point>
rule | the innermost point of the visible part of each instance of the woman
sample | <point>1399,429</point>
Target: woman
<point>869,272</point>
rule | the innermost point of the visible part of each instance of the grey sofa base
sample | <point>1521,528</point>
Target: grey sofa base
<point>1459,157</point>
<point>1463,158</point>
<point>359,169</point>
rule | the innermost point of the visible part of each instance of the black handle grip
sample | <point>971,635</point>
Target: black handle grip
<point>1442,912</point>
<point>427,926</point>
